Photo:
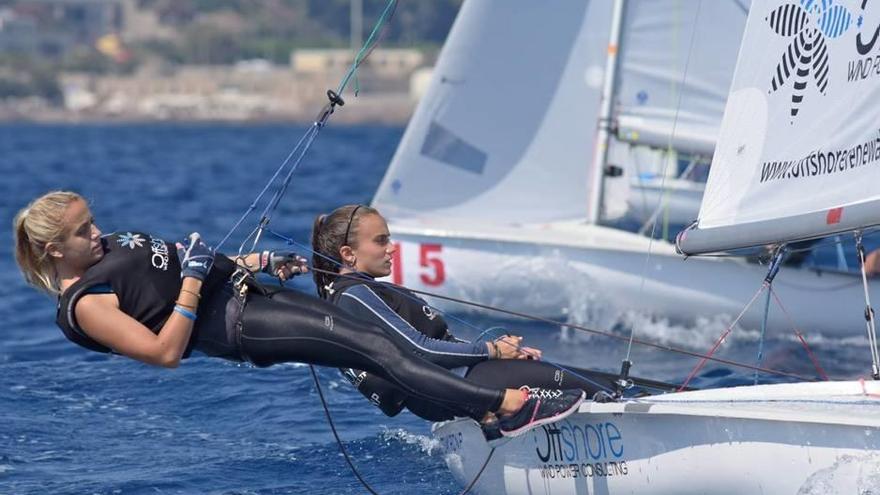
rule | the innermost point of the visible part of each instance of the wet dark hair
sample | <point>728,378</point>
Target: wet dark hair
<point>329,233</point>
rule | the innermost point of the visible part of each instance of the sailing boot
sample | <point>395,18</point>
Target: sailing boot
<point>542,406</point>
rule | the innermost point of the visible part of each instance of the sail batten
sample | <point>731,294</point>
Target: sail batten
<point>798,155</point>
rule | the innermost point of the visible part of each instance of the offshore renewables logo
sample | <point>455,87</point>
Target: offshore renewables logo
<point>810,24</point>
<point>805,60</point>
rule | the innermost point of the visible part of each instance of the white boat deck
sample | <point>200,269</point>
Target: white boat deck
<point>852,403</point>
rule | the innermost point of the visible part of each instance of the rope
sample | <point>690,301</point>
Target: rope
<point>772,270</point>
<point>346,456</point>
<point>723,336</point>
<point>299,151</point>
<point>589,330</point>
<point>763,331</point>
<point>368,46</point>
<point>403,291</point>
<point>294,159</point>
<point>473,482</point>
<point>663,182</point>
<point>800,336</point>
<point>342,449</point>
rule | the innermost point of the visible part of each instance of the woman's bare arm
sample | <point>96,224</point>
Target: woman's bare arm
<point>100,318</point>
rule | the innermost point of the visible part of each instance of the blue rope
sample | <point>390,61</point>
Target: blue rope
<point>253,205</point>
<point>307,139</point>
<point>366,48</point>
<point>763,331</point>
<point>299,152</point>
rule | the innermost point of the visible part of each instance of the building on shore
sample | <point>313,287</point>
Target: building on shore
<point>250,90</point>
<point>388,82</point>
<point>51,28</point>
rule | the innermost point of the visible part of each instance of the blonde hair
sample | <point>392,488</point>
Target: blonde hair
<point>36,225</point>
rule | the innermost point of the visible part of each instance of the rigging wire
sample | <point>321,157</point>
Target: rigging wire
<point>800,337</point>
<point>869,311</point>
<point>581,328</point>
<point>663,178</point>
<point>763,333</point>
<point>402,291</point>
<point>772,270</point>
<point>295,157</point>
<point>765,285</point>
<point>299,151</point>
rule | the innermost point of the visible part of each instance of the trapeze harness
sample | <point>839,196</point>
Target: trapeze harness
<point>265,327</point>
<point>406,316</point>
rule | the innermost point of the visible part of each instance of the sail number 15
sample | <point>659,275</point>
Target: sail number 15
<point>432,271</point>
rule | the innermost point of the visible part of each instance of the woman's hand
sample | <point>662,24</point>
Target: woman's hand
<point>510,347</point>
<point>196,258</point>
<point>283,264</point>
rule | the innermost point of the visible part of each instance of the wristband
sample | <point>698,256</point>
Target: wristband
<point>191,292</point>
<point>186,313</point>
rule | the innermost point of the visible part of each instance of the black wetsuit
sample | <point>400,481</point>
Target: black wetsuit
<point>401,313</point>
<point>268,327</point>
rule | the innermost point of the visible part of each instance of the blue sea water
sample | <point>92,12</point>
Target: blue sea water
<point>78,422</point>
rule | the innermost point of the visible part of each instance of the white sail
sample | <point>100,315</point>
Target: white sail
<point>798,154</point>
<point>505,130</point>
<point>676,68</point>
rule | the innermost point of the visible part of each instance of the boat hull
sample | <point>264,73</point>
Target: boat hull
<point>704,446</point>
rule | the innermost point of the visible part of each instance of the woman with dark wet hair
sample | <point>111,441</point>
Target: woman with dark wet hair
<point>353,241</point>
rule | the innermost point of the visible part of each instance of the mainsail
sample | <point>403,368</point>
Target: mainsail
<point>506,132</point>
<point>506,106</point>
<point>798,154</point>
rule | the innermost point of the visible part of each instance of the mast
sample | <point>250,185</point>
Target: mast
<point>603,134</point>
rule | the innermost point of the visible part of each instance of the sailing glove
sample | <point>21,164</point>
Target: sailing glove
<point>196,258</point>
<point>275,262</point>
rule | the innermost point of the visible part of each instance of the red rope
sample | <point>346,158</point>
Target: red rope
<point>800,336</point>
<point>720,340</point>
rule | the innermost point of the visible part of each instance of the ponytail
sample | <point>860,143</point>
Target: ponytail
<point>329,234</point>
<point>35,226</point>
<point>322,280</point>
